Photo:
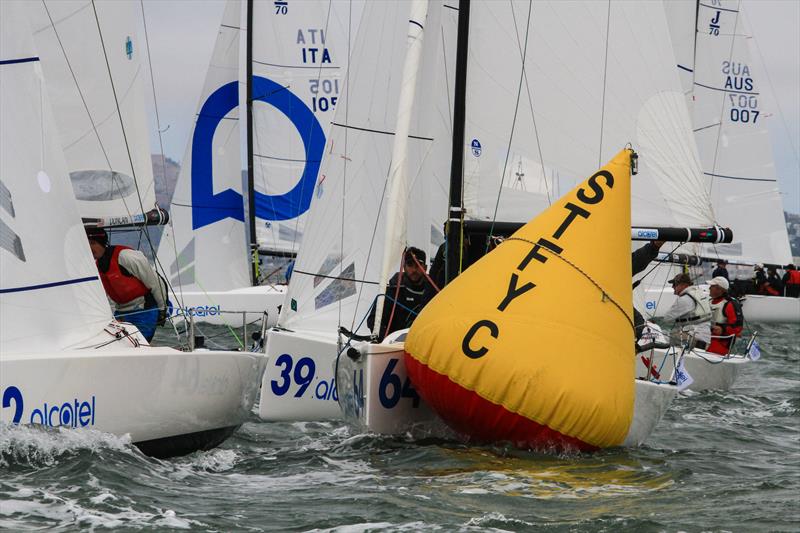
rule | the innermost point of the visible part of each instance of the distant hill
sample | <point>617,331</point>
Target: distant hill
<point>165,176</point>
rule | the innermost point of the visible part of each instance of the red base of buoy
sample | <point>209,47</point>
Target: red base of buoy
<point>481,420</point>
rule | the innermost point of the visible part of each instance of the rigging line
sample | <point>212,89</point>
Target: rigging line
<point>86,106</point>
<point>514,120</point>
<point>605,293</point>
<point>346,160</point>
<point>536,132</point>
<point>78,87</point>
<point>337,278</point>
<point>446,81</point>
<point>163,163</point>
<point>722,106</point>
<point>605,74</point>
<point>143,229</point>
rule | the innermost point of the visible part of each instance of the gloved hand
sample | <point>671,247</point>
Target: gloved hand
<point>162,317</point>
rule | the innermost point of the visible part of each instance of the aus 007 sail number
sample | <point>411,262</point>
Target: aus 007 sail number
<point>72,412</point>
<point>301,373</point>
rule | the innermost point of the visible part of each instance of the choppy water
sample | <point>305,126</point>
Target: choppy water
<point>717,462</point>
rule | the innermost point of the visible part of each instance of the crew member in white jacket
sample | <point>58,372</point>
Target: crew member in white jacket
<point>691,311</point>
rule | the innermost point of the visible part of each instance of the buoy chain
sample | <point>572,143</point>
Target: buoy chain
<point>604,293</point>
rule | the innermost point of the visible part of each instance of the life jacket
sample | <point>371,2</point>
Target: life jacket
<point>718,316</point>
<point>794,277</point>
<point>702,310</point>
<point>120,285</point>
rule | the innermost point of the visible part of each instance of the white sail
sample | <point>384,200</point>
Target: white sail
<point>596,76</point>
<point>300,52</point>
<point>335,280</point>
<point>50,293</point>
<point>732,108</point>
<point>90,55</point>
<point>204,248</point>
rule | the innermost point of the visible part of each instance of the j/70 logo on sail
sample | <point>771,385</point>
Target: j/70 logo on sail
<point>208,207</point>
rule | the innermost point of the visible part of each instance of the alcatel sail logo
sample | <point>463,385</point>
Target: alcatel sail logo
<point>208,207</point>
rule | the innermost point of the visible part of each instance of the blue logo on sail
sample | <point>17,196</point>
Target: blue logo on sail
<point>476,148</point>
<point>208,207</point>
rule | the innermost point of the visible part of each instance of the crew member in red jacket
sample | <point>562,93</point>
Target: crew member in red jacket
<point>726,317</point>
<point>791,281</point>
<point>133,288</point>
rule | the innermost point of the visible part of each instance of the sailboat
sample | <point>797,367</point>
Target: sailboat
<point>295,54</point>
<point>731,108</point>
<point>64,361</point>
<point>344,278</point>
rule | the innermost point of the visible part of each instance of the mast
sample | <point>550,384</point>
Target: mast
<point>397,211</point>
<point>251,195</point>
<point>455,218</point>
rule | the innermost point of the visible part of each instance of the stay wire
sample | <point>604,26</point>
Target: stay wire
<point>127,144</point>
<point>170,288</point>
<point>605,75</point>
<point>513,123</point>
<point>533,117</point>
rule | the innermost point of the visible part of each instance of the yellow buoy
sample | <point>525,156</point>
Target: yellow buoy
<point>533,344</point>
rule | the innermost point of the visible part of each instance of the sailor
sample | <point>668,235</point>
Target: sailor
<point>406,294</point>
<point>721,271</point>
<point>774,283</point>
<point>791,282</point>
<point>134,289</point>
<point>691,311</point>
<point>726,317</point>
<point>760,278</point>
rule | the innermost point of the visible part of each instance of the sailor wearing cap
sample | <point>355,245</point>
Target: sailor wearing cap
<point>721,270</point>
<point>727,320</point>
<point>133,287</point>
<point>691,311</point>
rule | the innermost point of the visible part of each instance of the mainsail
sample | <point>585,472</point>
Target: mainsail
<point>338,267</point>
<point>550,91</point>
<point>205,247</point>
<point>731,108</point>
<point>90,56</point>
<point>299,61</point>
<point>50,294</point>
<point>558,87</point>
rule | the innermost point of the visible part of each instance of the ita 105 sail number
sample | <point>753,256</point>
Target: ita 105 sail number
<point>325,94</point>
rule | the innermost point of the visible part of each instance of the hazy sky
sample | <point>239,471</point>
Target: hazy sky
<point>182,34</point>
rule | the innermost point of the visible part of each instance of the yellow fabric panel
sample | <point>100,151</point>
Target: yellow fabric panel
<point>563,353</point>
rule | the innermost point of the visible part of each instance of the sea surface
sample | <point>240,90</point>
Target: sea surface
<point>717,462</point>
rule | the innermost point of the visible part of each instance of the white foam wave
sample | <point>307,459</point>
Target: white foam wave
<point>38,445</point>
<point>215,460</point>
<point>481,521</point>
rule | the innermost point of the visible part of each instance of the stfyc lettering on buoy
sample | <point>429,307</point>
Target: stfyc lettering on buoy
<point>474,349</point>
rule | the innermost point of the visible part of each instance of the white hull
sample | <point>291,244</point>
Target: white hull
<point>771,309</point>
<point>298,383</point>
<point>709,371</point>
<point>169,402</point>
<point>756,308</point>
<point>376,396</point>
<point>231,308</point>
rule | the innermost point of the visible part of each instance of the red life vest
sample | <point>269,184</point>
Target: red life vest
<point>794,277</point>
<point>120,285</point>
